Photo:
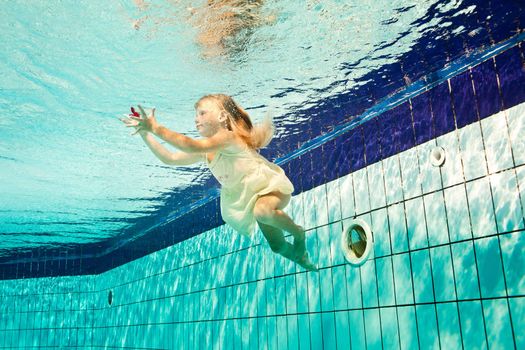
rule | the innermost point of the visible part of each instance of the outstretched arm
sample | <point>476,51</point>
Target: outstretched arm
<point>186,144</point>
<point>167,157</point>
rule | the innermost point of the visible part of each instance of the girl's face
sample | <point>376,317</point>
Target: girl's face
<point>207,118</point>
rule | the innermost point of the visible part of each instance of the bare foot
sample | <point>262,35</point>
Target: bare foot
<point>305,262</point>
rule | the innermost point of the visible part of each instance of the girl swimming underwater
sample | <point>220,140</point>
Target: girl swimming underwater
<point>253,190</point>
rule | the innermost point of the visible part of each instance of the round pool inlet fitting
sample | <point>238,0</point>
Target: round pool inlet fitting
<point>356,242</point>
<point>437,156</point>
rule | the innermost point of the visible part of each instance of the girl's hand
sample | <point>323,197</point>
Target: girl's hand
<point>132,123</point>
<point>145,122</point>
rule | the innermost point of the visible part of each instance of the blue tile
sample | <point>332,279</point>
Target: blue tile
<point>329,157</point>
<point>486,87</point>
<point>405,138</point>
<point>427,327</point>
<point>442,109</point>
<point>389,125</point>
<point>318,166</point>
<point>372,132</point>
<point>408,327</point>
<point>357,150</point>
<point>464,99</point>
<point>423,123</point>
<point>489,267</point>
<point>499,333</point>
<point>465,270</point>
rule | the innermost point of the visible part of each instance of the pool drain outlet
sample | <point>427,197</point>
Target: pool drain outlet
<point>356,242</point>
<point>437,156</point>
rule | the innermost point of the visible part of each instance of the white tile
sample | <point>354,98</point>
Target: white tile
<point>430,175</point>
<point>507,204</point>
<point>416,228</point>
<point>480,206</point>
<point>520,174</point>
<point>457,213</point>
<point>362,200</point>
<point>394,190</point>
<point>472,151</point>
<point>497,145</point>
<point>321,204</point>
<point>334,201</point>
<point>377,185</point>
<point>410,173</point>
<point>451,170</point>
<point>516,118</point>
<point>436,218</point>
<point>398,229</point>
<point>346,187</point>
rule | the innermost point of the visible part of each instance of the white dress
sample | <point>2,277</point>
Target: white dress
<point>245,175</point>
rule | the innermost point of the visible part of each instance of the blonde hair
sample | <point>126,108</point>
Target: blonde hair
<point>255,136</point>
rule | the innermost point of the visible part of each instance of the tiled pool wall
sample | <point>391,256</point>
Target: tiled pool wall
<point>446,270</point>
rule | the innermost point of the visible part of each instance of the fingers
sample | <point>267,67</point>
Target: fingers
<point>136,132</point>
<point>142,112</point>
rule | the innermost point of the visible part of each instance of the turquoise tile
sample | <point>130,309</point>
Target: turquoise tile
<point>516,120</point>
<point>329,338</point>
<point>310,210</point>
<point>416,224</point>
<point>465,270</point>
<point>392,170</point>
<point>448,322</point>
<point>436,218</point>
<point>293,330</point>
<point>262,333</point>
<point>482,215</point>
<point>403,279</point>
<point>291,294</point>
<point>507,204</point>
<point>497,145</point>
<point>353,287</point>
<point>520,175</point>
<point>385,281</point>
<point>513,252</point>
<point>335,243</point>
<point>407,327</point>
<point>321,204</point>
<point>282,332</point>
<point>297,209</point>
<point>312,246</point>
<point>369,284</point>
<point>499,329</point>
<point>517,310</point>
<point>326,289</point>
<point>423,287</point>
<point>376,182</point>
<point>489,267</point>
<point>304,332</point>
<point>443,273</point>
<point>362,200</point>
<point>323,241</point>
<point>271,323</point>
<point>379,227</point>
<point>346,187</point>
<point>410,173</point>
<point>280,296</point>
<point>334,201</point>
<point>398,229</point>
<point>389,328</point>
<point>270,297</point>
<point>342,328</point>
<point>302,292</point>
<point>373,329</point>
<point>427,327</point>
<point>339,289</point>
<point>430,175</point>
<point>314,297</point>
<point>457,213</point>
<point>316,331</point>
<point>451,170</point>
<point>472,151</point>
